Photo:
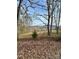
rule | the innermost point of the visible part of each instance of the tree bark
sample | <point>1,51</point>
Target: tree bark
<point>48,8</point>
<point>59,19</point>
<point>18,9</point>
<point>51,18</point>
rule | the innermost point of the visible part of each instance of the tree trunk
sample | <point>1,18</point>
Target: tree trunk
<point>51,18</point>
<point>57,30</point>
<point>48,7</point>
<point>59,20</point>
<point>18,9</point>
<point>51,25</point>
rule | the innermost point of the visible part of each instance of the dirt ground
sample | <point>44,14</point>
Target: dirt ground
<point>40,48</point>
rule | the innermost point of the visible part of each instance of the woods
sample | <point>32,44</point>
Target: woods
<point>38,29</point>
<point>52,10</point>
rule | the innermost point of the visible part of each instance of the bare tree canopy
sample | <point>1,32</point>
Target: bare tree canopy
<point>48,10</point>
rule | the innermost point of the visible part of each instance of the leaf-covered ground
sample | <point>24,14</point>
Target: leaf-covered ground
<point>42,48</point>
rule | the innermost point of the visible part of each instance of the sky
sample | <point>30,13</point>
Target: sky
<point>39,10</point>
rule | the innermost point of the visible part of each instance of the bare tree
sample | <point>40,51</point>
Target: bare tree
<point>58,6</point>
<point>18,9</point>
<point>52,9</point>
<point>22,10</point>
<point>48,9</point>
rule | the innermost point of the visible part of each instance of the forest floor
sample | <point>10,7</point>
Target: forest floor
<point>39,48</point>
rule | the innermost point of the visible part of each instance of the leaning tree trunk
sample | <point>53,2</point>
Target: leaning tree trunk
<point>18,9</point>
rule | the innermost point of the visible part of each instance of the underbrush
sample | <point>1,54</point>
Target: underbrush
<point>57,37</point>
<point>34,35</point>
